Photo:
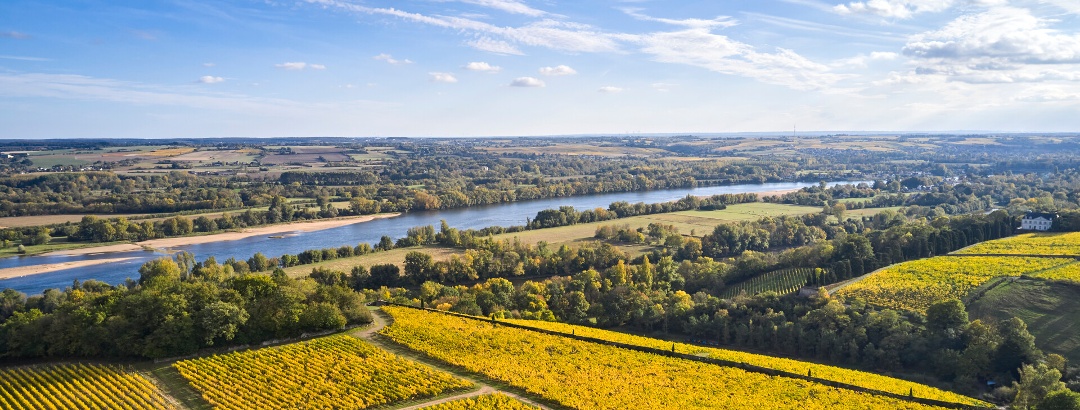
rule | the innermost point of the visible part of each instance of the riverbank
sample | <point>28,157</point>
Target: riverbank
<point>8,273</point>
<point>168,243</point>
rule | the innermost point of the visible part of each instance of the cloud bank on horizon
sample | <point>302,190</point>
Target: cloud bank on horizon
<point>526,67</point>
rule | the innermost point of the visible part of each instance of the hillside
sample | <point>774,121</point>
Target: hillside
<point>1049,309</point>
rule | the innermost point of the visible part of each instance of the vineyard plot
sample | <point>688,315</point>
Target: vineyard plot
<point>832,373</point>
<point>336,372</point>
<point>496,401</point>
<point>584,375</point>
<point>916,285</point>
<point>78,386</point>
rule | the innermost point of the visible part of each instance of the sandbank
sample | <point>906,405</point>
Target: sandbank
<point>166,243</point>
<point>8,273</point>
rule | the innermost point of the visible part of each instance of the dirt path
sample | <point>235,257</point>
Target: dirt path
<point>371,335</point>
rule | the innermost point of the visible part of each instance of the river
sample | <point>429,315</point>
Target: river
<point>508,214</point>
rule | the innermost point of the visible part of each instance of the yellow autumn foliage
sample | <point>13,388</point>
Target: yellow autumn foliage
<point>584,375</point>
<point>78,386</point>
<point>917,284</point>
<point>335,372</point>
<point>837,374</point>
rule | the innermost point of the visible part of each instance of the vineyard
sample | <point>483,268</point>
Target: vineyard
<point>584,375</point>
<point>331,372</point>
<point>1066,273</point>
<point>837,374</point>
<point>495,401</point>
<point>782,281</point>
<point>1029,244</point>
<point>916,285</point>
<point>77,386</point>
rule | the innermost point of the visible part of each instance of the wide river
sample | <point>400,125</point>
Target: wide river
<point>477,217</point>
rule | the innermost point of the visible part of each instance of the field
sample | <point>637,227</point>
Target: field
<point>837,374</point>
<point>1065,273</point>
<point>330,372</point>
<point>916,285</point>
<point>578,149</point>
<point>694,223</point>
<point>585,375</point>
<point>1030,244</point>
<point>494,401</point>
<point>77,386</point>
<point>37,220</point>
<point>394,256</point>
<point>56,244</point>
<point>1049,310</point>
<point>782,281</point>
<point>859,213</point>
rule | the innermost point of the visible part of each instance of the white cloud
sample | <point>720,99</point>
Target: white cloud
<point>548,33</point>
<point>299,65</point>
<point>391,60</point>
<point>696,45</point>
<point>883,55</point>
<point>482,67</point>
<point>719,21</point>
<point>509,6</point>
<point>208,64</point>
<point>906,9</point>
<point>557,70</point>
<point>662,87</point>
<point>701,48</point>
<point>527,82</point>
<point>442,77</point>
<point>209,79</point>
<point>1003,44</point>
<point>609,89</point>
<point>494,46</point>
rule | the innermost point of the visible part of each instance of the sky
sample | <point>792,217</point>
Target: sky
<point>464,68</point>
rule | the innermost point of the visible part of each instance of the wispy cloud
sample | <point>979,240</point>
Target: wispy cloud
<point>509,6</point>
<point>610,89</point>
<point>209,79</point>
<point>391,60</point>
<point>442,77</point>
<point>719,21</point>
<point>14,34</point>
<point>299,66</point>
<point>482,67</point>
<point>527,82</point>
<point>24,58</point>
<point>557,70</point>
<point>208,64</point>
<point>494,46</point>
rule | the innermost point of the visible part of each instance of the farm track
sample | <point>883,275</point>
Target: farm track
<point>371,335</point>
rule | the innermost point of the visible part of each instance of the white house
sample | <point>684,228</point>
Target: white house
<point>1037,221</point>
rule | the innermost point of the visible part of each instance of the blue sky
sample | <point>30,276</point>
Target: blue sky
<point>265,68</point>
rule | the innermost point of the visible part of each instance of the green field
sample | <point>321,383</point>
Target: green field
<point>1049,309</point>
<point>869,211</point>
<point>394,256</point>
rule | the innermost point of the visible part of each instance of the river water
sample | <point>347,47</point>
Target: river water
<point>508,214</point>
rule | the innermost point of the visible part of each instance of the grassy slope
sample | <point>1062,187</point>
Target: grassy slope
<point>1049,309</point>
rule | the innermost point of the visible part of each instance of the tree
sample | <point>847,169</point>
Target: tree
<point>418,266</point>
<point>221,320</point>
<point>947,315</point>
<point>322,316</point>
<point>259,262</point>
<point>1017,346</point>
<point>1060,400</point>
<point>1036,382</point>
<point>159,271</point>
